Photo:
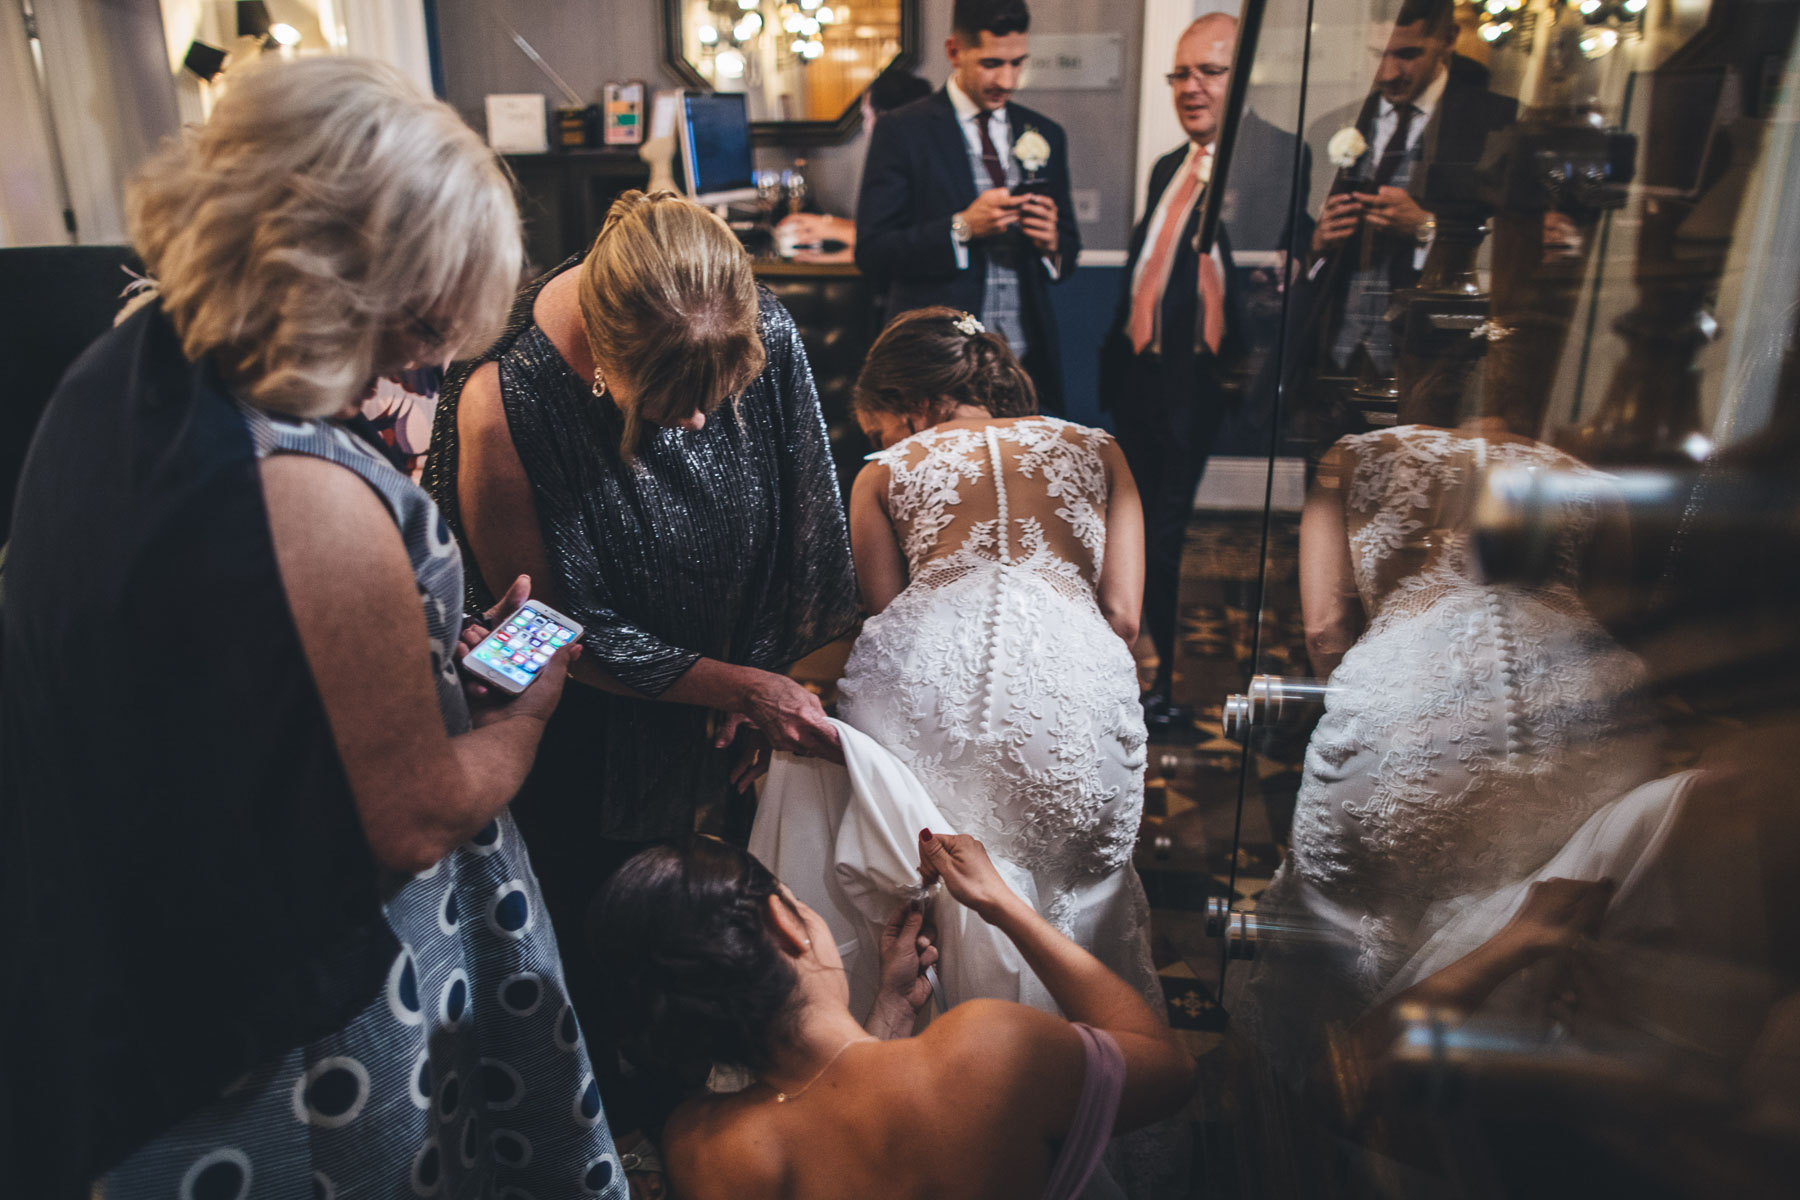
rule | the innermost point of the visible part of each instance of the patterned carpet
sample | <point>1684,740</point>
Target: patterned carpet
<point>1192,848</point>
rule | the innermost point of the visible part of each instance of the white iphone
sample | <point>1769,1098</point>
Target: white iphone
<point>511,657</point>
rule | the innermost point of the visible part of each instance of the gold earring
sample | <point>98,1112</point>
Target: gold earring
<point>599,382</point>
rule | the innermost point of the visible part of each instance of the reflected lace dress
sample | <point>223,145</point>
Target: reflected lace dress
<point>996,679</point>
<point>1468,733</point>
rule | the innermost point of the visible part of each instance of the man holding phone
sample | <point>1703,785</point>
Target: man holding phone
<point>1426,105</point>
<point>965,196</point>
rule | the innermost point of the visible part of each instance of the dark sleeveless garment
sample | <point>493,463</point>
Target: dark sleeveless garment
<point>186,886</point>
<point>728,543</point>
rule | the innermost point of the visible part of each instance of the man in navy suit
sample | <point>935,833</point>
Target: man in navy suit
<point>1427,108</point>
<point>937,220</point>
<point>1160,364</point>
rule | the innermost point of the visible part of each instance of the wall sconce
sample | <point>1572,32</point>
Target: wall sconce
<point>204,61</point>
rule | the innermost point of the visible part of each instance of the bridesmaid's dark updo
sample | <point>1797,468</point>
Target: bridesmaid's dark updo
<point>696,977</point>
<point>932,359</point>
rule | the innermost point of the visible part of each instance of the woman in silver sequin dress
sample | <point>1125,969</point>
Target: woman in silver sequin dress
<point>645,442</point>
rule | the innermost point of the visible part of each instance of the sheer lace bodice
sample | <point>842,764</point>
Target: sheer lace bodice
<point>1029,493</point>
<point>1408,501</point>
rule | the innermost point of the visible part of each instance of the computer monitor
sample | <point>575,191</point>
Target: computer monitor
<point>714,132</point>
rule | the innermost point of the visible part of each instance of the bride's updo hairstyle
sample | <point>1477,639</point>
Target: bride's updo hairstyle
<point>696,976</point>
<point>932,359</point>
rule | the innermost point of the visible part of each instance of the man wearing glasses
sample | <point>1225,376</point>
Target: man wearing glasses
<point>1160,366</point>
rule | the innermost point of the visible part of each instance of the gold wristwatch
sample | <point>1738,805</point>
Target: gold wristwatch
<point>959,229</point>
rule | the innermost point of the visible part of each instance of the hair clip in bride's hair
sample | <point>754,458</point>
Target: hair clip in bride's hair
<point>968,325</point>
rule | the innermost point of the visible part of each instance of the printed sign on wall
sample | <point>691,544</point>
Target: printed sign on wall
<point>1074,62</point>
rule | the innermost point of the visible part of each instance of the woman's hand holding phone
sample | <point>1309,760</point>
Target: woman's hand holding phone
<point>488,704</point>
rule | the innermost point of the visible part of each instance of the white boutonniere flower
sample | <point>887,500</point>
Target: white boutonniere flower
<point>1345,147</point>
<point>1031,150</point>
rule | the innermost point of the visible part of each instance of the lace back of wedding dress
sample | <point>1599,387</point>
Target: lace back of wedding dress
<point>1042,509</point>
<point>994,673</point>
<point>1409,500</point>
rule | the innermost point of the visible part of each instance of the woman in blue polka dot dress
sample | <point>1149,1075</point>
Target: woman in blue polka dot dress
<point>296,948</point>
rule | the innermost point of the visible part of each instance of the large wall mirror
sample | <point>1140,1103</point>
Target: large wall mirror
<point>803,65</point>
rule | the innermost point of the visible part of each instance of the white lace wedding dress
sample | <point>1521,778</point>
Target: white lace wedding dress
<point>1468,733</point>
<point>998,682</point>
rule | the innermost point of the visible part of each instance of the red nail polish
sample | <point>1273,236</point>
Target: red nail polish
<point>924,835</point>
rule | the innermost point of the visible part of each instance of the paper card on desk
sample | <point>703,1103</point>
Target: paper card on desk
<point>517,123</point>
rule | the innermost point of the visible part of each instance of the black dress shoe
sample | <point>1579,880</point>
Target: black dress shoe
<point>1167,721</point>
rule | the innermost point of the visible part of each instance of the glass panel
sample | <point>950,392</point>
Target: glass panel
<point>1518,647</point>
<point>1223,608</point>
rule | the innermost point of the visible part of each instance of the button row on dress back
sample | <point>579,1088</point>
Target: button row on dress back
<point>999,496</point>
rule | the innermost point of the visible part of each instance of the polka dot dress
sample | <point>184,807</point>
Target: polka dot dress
<point>467,1076</point>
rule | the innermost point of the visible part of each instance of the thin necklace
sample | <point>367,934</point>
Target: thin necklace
<point>783,1097</point>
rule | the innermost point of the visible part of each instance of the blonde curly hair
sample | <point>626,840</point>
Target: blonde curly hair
<point>326,209</point>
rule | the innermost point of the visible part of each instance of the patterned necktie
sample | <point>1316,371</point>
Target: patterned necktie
<point>1146,296</point>
<point>990,157</point>
<point>1394,153</point>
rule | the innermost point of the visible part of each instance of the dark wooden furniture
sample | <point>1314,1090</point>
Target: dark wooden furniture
<point>57,299</point>
<point>564,195</point>
<point>834,306</point>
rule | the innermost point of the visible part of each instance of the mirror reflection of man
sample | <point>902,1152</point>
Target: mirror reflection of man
<point>937,221</point>
<point>1426,105</point>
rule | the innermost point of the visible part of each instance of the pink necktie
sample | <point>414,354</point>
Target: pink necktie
<point>1146,298</point>
<point>1212,304</point>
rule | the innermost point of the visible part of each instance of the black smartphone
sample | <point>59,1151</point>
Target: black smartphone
<point>1355,187</point>
<point>1031,187</point>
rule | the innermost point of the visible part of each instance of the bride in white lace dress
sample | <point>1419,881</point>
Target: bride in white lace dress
<point>1000,556</point>
<point>1470,728</point>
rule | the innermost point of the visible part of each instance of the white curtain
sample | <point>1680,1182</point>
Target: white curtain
<point>391,30</point>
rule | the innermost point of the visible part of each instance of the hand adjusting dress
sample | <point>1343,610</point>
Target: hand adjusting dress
<point>997,680</point>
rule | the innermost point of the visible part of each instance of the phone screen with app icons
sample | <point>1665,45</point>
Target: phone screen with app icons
<point>519,649</point>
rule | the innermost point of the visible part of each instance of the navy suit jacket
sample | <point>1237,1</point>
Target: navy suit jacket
<point>1457,133</point>
<point>1260,201</point>
<point>915,178</point>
